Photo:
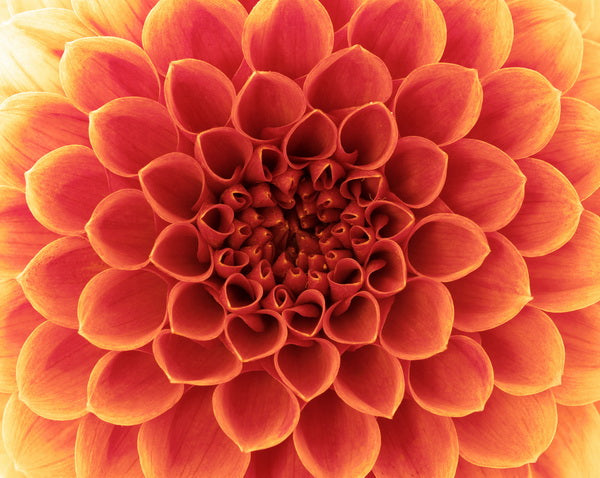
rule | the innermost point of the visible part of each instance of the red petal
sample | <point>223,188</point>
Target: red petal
<point>239,294</point>
<point>389,220</point>
<point>305,315</point>
<point>587,86</point>
<point>520,111</point>
<point>354,320</point>
<point>275,462</point>
<point>385,269</point>
<point>312,137</point>
<point>346,279</point>
<point>468,470</point>
<point>364,187</point>
<point>511,431</point>
<point>215,224</point>
<point>254,335</point>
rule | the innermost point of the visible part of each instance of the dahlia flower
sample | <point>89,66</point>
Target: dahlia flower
<point>295,238</point>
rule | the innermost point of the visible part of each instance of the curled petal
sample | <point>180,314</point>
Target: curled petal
<point>188,301</point>
<point>240,294</point>
<point>279,299</point>
<point>206,30</point>
<point>254,335</point>
<point>267,161</point>
<point>569,278</point>
<point>280,460</point>
<point>122,310</point>
<point>305,317</point>
<point>129,388</point>
<point>95,70</point>
<point>416,443</point>
<point>354,320</point>
<point>364,187</point>
<point>510,432</point>
<point>215,224</point>
<point>389,220</point>
<point>346,278</point>
<point>520,111</point>
<point>229,261</point>
<point>403,33</point>
<point>385,269</point>
<point>547,40</point>
<point>70,262</point>
<point>440,102</point>
<point>312,137</point>
<point>587,86</point>
<point>469,470</point>
<point>128,133</point>
<point>419,322</point>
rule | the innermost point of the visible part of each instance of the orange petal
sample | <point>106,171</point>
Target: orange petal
<point>95,70</point>
<point>215,224</point>
<point>129,388</point>
<point>389,219</point>
<point>569,278</point>
<point>550,212</point>
<point>329,87</point>
<point>205,30</point>
<point>403,33</point>
<point>17,321</point>
<point>587,86</point>
<point>255,410</point>
<point>364,187</point>
<point>128,133</point>
<point>520,111</point>
<point>419,322</point>
<point>416,443</point>
<point>547,40</point>
<point>197,363</point>
<point>483,184</point>
<point>354,320</point>
<point>197,446</point>
<point>468,470</point>
<point>580,333</point>
<point>254,335</point>
<point>584,11</point>
<point>313,137</point>
<point>446,247</point>
<point>32,125</point>
<point>103,449</point>
<point>576,445</point>
<point>38,447</point>
<point>305,315</point>
<point>574,147</point>
<point>122,310</point>
<point>19,6</point>
<point>287,36</point>
<point>385,269</point>
<point>346,279</point>
<point>122,229</point>
<point>495,292</point>
<point>592,203</point>
<point>440,102</point>
<point>64,187</point>
<point>275,462</point>
<point>55,277</point>
<point>527,353</point>
<point>333,439</point>
<point>21,236</point>
<point>510,432</point>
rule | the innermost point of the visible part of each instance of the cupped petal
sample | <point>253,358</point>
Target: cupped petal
<point>215,223</point>
<point>95,70</point>
<point>469,470</point>
<point>587,86</point>
<point>127,133</point>
<point>305,316</point>
<point>419,322</point>
<point>389,219</point>
<point>197,446</point>
<point>403,33</point>
<point>277,461</point>
<point>267,161</point>
<point>385,269</point>
<point>313,137</point>
<point>346,278</point>
<point>494,293</point>
<point>569,278</point>
<point>354,320</point>
<point>122,310</point>
<point>33,124</point>
<point>446,247</point>
<point>520,112</point>
<point>240,294</point>
<point>55,277</point>
<point>416,443</point>
<point>363,186</point>
<point>440,102</point>
<point>546,39</point>
<point>510,432</point>
<point>103,449</point>
<point>129,388</point>
<point>122,229</point>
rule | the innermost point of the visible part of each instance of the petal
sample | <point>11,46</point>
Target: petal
<point>18,6</point>
<point>312,137</point>
<point>122,310</point>
<point>440,102</point>
<point>569,278</point>
<point>287,36</point>
<point>197,446</point>
<point>305,316</point>
<point>254,335</point>
<point>239,294</point>
<point>349,77</point>
<point>21,236</point>
<point>419,322</point>
<point>129,388</point>
<point>592,203</point>
<point>55,277</point>
<point>345,279</point>
<point>37,446</point>
<point>446,247</point>
<point>574,147</point>
<point>550,212</point>
<point>385,269</point>
<point>584,11</point>
<point>280,460</point>
<point>527,353</point>
<point>103,449</point>
<point>403,33</point>
<point>510,432</point>
<point>122,229</point>
<point>333,439</point>
<point>520,111</point>
<point>128,133</point>
<point>33,124</point>
<point>587,86</point>
<point>468,470</point>
<point>494,293</point>
<point>416,443</point>
<point>483,184</point>
<point>215,224</point>
<point>354,320</point>
<point>547,40</point>
<point>206,30</point>
<point>64,187</point>
<point>389,220</point>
